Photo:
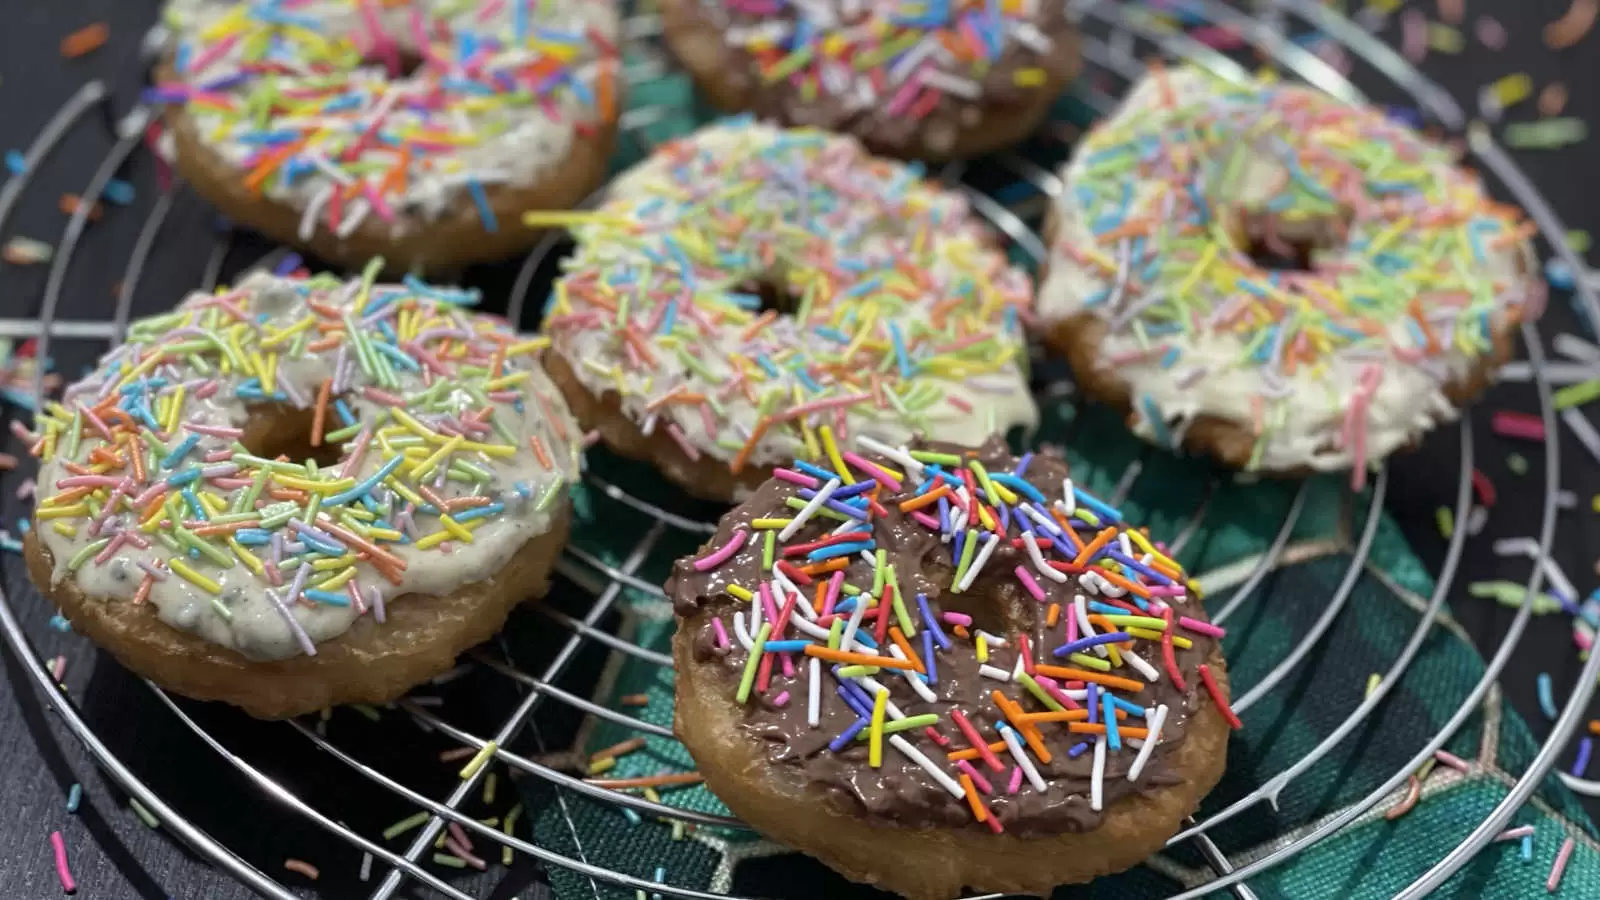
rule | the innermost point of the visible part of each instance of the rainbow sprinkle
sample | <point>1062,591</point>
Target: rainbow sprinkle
<point>881,69</point>
<point>310,100</point>
<point>896,314</point>
<point>1119,673</point>
<point>1307,270</point>
<point>448,438</point>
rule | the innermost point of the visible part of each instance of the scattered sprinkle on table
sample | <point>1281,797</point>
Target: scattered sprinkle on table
<point>85,40</point>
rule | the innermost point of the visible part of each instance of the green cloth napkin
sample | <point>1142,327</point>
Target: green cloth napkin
<point>1371,858</point>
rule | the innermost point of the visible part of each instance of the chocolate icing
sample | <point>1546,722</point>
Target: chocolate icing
<point>900,792</point>
<point>899,135</point>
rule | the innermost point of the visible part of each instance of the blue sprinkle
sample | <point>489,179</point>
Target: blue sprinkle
<point>16,162</point>
<point>118,191</point>
<point>1527,848</point>
<point>1547,702</point>
<point>327,597</point>
<point>180,451</point>
<point>74,797</point>
<point>927,655</point>
<point>1077,749</point>
<point>1113,737</point>
<point>849,734</point>
<point>1585,748</point>
<point>786,646</point>
<point>60,623</point>
<point>1078,646</point>
<point>482,200</point>
<point>288,264</point>
<point>833,550</point>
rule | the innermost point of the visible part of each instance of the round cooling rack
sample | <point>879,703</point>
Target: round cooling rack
<point>531,695</point>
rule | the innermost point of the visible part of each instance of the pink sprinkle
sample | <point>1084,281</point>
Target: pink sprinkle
<point>7,462</point>
<point>1560,867</point>
<point>706,563</point>
<point>1031,583</point>
<point>1491,33</point>
<point>781,700</point>
<point>460,835</point>
<point>722,633</point>
<point>1514,834</point>
<point>1016,780</point>
<point>1026,651</point>
<point>58,667</point>
<point>465,854</point>
<point>835,584</point>
<point>934,735</point>
<point>793,477</point>
<point>1453,11</point>
<point>1513,424</point>
<point>876,472</point>
<point>1218,37</point>
<point>955,618</point>
<point>925,519</point>
<point>1414,35</point>
<point>64,873</point>
<point>977,777</point>
<point>1452,760</point>
<point>1054,690</point>
<point>1205,628</point>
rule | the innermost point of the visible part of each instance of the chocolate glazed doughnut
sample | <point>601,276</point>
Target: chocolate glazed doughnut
<point>923,671</point>
<point>945,85</point>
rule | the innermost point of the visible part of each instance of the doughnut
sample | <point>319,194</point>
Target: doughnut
<point>297,493</point>
<point>1272,276</point>
<point>747,290</point>
<point>918,667</point>
<point>945,81</point>
<point>417,131</point>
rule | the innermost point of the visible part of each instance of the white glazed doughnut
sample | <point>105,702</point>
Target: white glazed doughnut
<point>889,309</point>
<point>300,119</point>
<point>448,452</point>
<point>1397,284</point>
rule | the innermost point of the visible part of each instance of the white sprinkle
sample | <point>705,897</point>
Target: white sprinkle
<point>1156,720</point>
<point>354,216</point>
<point>814,694</point>
<point>899,455</point>
<point>913,678</point>
<point>740,632</point>
<point>366,866</point>
<point>856,615</point>
<point>810,509</point>
<point>308,219</point>
<point>994,641</point>
<point>1021,756</point>
<point>1069,503</point>
<point>1144,668</point>
<point>1098,778</point>
<point>1032,544</point>
<point>977,564</point>
<point>1127,545</point>
<point>989,671</point>
<point>807,627</point>
<point>756,613</point>
<point>1476,519</point>
<point>1041,519</point>
<point>951,84</point>
<point>1575,347</point>
<point>1080,608</point>
<point>873,687</point>
<point>785,587</point>
<point>916,756</point>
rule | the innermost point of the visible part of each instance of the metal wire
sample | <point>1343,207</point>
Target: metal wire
<point>607,581</point>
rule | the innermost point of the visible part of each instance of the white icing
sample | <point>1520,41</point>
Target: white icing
<point>500,137</point>
<point>978,393</point>
<point>532,492</point>
<point>1305,410</point>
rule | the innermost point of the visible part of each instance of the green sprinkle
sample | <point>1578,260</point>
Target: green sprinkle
<point>1510,594</point>
<point>445,859</point>
<point>757,647</point>
<point>1576,394</point>
<point>906,724</point>
<point>144,814</point>
<point>1546,134</point>
<point>404,825</point>
<point>1517,463</point>
<point>88,552</point>
<point>1090,662</point>
<point>966,559</point>
<point>1446,521</point>
<point>1038,692</point>
<point>767,546</point>
<point>943,459</point>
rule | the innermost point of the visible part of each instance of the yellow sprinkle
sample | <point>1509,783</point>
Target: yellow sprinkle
<point>532,346</point>
<point>422,469</point>
<point>63,528</point>
<point>739,592</point>
<point>315,487</point>
<point>600,766</point>
<point>875,739</point>
<point>1512,89</point>
<point>415,427</point>
<point>193,577</point>
<point>1029,77</point>
<point>477,762</point>
<point>832,449</point>
<point>568,218</point>
<point>339,580</point>
<point>780,523</point>
<point>61,512</point>
<point>250,560</point>
<point>1373,681</point>
<point>983,649</point>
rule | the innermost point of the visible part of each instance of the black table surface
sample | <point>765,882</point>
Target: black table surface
<point>115,856</point>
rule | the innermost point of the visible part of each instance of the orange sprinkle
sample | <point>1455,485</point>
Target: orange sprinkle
<point>1067,673</point>
<point>1093,547</point>
<point>905,647</point>
<point>961,632</point>
<point>319,418</point>
<point>1097,728</point>
<point>1029,733</point>
<point>1136,228</point>
<point>750,445</point>
<point>931,497</point>
<point>1121,582</point>
<point>1594,726</point>
<point>826,566</point>
<point>69,206</point>
<point>539,451</point>
<point>143,593</point>
<point>1066,715</point>
<point>85,40</point>
<point>646,781</point>
<point>971,753</point>
<point>226,528</point>
<point>857,659</point>
<point>978,812</point>
<point>1052,615</point>
<point>606,93</point>
<point>270,164</point>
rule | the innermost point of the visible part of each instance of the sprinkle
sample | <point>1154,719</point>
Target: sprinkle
<point>85,40</point>
<point>1218,697</point>
<point>717,558</point>
<point>875,745</point>
<point>144,814</point>
<point>1570,29</point>
<point>1157,720</point>
<point>1565,853</point>
<point>1547,701</point>
<point>74,797</point>
<point>1413,793</point>
<point>478,761</point>
<point>301,867</point>
<point>1508,423</point>
<point>747,680</point>
<point>1512,834</point>
<point>25,251</point>
<point>1452,760</point>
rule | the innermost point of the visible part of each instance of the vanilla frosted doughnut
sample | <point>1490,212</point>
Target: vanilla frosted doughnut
<point>301,120</point>
<point>1285,280</point>
<point>447,459</point>
<point>748,288</point>
<point>932,81</point>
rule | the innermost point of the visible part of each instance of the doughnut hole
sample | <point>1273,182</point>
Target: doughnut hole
<point>775,293</point>
<point>1277,244</point>
<point>995,600</point>
<point>279,430</point>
